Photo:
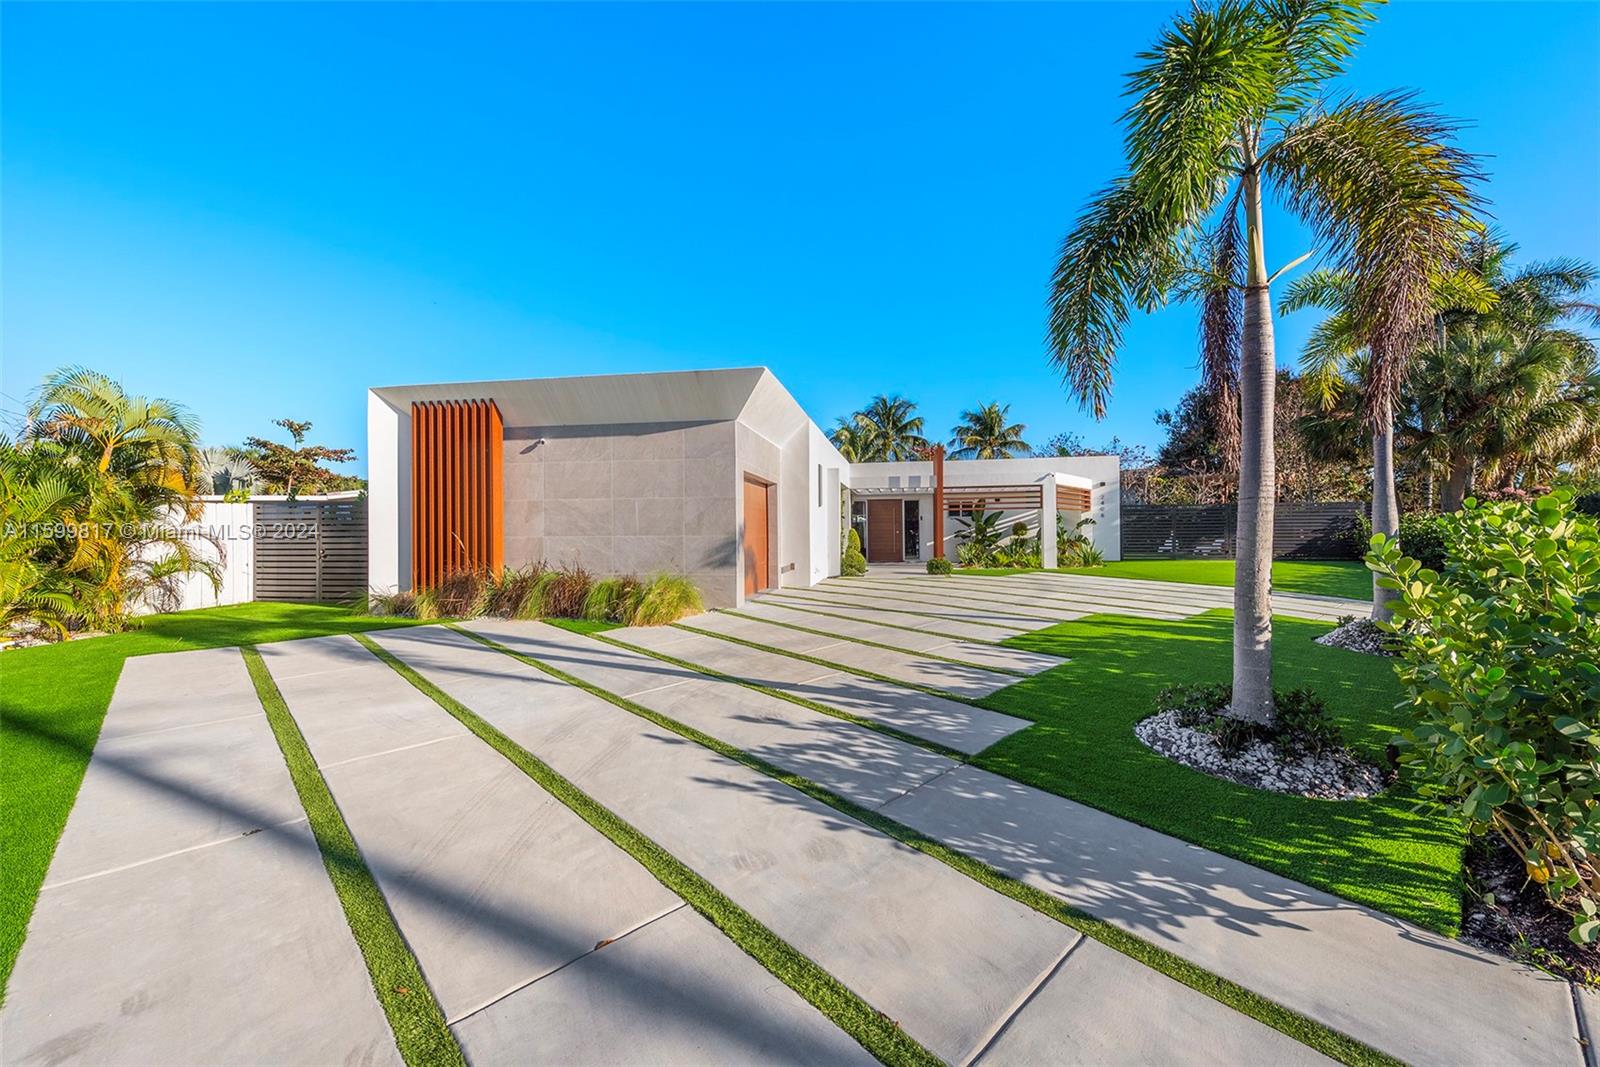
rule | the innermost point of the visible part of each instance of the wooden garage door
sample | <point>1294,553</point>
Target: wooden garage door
<point>757,551</point>
<point>886,539</point>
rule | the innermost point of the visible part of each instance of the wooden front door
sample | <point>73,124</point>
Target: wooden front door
<point>757,546</point>
<point>886,539</point>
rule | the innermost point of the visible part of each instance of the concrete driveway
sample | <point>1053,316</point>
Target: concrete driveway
<point>187,916</point>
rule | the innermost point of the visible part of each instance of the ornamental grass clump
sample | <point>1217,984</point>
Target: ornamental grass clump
<point>1498,656</point>
<point>613,600</point>
<point>664,599</point>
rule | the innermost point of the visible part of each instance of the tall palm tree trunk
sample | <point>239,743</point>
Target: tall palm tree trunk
<point>1456,478</point>
<point>1252,586</point>
<point>1385,503</point>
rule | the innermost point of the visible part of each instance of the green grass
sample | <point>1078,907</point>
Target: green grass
<point>419,1026</point>
<point>1302,1028</point>
<point>1333,577</point>
<point>584,626</point>
<point>877,1033</point>
<point>52,701</point>
<point>1378,852</point>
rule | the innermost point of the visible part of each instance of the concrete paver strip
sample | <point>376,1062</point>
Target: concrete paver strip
<point>668,983</point>
<point>1416,995</point>
<point>936,951</point>
<point>918,669</point>
<point>1285,602</point>
<point>823,608</point>
<point>198,955</point>
<point>975,653</point>
<point>978,591</point>
<point>867,767</point>
<point>887,921</point>
<point>493,882</point>
<point>1125,1012</point>
<point>948,722</point>
<point>1017,611</point>
<point>832,595</point>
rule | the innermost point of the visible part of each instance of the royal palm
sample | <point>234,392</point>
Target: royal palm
<point>1228,109</point>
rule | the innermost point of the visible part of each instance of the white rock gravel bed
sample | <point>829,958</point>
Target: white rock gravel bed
<point>1331,776</point>
<point>1357,635</point>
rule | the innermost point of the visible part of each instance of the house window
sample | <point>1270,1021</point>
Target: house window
<point>819,485</point>
<point>913,527</point>
<point>858,520</point>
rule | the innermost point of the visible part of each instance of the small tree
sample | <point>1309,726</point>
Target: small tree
<point>290,469</point>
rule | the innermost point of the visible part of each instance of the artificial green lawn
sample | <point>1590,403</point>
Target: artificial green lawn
<point>421,1032</point>
<point>52,700</point>
<point>1325,577</point>
<point>1378,852</point>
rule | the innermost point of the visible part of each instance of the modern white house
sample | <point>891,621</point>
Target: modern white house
<point>717,474</point>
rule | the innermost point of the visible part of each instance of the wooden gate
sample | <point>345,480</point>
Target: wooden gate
<point>310,551</point>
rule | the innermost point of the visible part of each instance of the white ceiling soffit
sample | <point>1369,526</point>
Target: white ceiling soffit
<point>600,400</point>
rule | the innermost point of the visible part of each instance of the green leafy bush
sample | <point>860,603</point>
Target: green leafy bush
<point>1423,537</point>
<point>940,565</point>
<point>1498,656</point>
<point>1302,727</point>
<point>854,564</point>
<point>1073,547</point>
<point>979,538</point>
<point>1196,705</point>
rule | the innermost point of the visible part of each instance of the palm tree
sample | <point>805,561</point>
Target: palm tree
<point>1493,402</point>
<point>983,433</point>
<point>894,428</point>
<point>1339,358</point>
<point>131,466</point>
<point>854,438</point>
<point>1228,108</point>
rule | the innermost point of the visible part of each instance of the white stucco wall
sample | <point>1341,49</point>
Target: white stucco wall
<point>388,495</point>
<point>1101,474</point>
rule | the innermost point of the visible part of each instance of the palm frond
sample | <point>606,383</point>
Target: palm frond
<point>1390,198</point>
<point>1119,254</point>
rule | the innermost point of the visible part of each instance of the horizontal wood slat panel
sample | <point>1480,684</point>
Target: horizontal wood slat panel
<point>1303,531</point>
<point>310,550</point>
<point>1073,498</point>
<point>996,498</point>
<point>457,490</point>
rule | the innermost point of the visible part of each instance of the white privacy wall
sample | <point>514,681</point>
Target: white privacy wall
<point>388,495</point>
<point>222,534</point>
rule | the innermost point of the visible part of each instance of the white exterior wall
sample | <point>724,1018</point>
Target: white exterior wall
<point>1101,474</point>
<point>222,534</point>
<point>388,495</point>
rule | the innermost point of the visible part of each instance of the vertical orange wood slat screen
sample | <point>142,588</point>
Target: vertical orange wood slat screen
<point>457,489</point>
<point>497,491</point>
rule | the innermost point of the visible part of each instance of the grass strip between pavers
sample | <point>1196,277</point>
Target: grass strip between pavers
<point>861,672</point>
<point>805,607</point>
<point>1302,1028</point>
<point>420,1030</point>
<point>879,644</point>
<point>876,1032</point>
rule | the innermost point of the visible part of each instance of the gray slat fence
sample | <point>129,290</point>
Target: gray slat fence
<point>310,551</point>
<point>1299,531</point>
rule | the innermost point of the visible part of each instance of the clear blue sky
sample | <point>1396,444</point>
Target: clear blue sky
<point>263,210</point>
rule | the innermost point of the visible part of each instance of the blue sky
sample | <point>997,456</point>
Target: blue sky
<point>263,210</point>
